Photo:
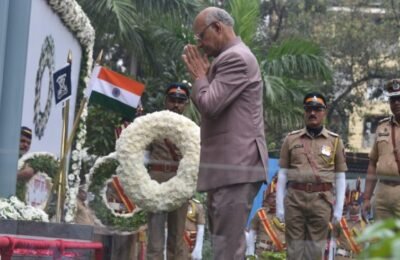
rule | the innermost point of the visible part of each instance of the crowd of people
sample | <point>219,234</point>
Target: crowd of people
<point>304,206</point>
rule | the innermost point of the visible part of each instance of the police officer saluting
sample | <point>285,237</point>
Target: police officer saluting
<point>384,161</point>
<point>311,160</point>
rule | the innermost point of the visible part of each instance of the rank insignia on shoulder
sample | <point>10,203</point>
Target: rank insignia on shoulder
<point>333,134</point>
<point>196,201</point>
<point>294,132</point>
<point>384,120</point>
<point>383,134</point>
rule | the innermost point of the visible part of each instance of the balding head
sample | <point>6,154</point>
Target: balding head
<point>213,29</point>
<point>214,14</point>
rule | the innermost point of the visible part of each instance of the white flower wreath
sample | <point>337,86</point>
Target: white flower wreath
<point>89,177</point>
<point>47,175</point>
<point>46,60</point>
<point>97,179</point>
<point>147,193</point>
<point>28,156</point>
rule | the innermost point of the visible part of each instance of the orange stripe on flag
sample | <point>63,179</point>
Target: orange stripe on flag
<point>121,81</point>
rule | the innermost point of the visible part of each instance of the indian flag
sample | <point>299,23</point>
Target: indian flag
<point>115,91</point>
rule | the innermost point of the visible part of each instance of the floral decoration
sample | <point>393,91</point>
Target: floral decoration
<point>13,208</point>
<point>147,193</point>
<point>79,24</point>
<point>97,179</point>
<point>43,163</point>
<point>46,60</point>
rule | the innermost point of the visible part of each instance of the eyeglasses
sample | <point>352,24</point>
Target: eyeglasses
<point>316,109</point>
<point>177,100</point>
<point>200,36</point>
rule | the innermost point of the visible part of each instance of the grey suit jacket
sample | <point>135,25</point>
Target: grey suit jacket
<point>233,148</point>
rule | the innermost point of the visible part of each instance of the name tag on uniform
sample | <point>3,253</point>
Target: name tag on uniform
<point>298,146</point>
<point>383,134</point>
<point>326,150</point>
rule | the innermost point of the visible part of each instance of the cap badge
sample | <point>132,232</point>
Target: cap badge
<point>396,85</point>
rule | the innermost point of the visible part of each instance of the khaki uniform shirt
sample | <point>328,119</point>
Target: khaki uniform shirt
<point>326,150</point>
<point>382,150</point>
<point>161,154</point>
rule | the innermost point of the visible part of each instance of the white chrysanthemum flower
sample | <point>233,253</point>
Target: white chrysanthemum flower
<point>147,193</point>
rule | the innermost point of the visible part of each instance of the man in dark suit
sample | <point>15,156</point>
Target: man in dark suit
<point>228,94</point>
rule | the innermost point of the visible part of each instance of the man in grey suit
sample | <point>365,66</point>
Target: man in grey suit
<point>228,94</point>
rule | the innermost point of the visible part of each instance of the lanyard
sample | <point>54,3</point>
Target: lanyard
<point>396,155</point>
<point>310,159</point>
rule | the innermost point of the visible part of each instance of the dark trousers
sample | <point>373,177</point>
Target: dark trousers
<point>228,212</point>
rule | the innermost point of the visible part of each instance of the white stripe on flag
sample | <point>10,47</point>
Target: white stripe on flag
<point>107,89</point>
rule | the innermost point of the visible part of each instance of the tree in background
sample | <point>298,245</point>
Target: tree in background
<point>360,39</point>
<point>142,39</point>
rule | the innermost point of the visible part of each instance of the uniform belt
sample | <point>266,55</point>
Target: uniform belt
<point>163,167</point>
<point>390,183</point>
<point>310,187</point>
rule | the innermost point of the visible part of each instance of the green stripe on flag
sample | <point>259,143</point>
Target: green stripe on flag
<point>112,104</point>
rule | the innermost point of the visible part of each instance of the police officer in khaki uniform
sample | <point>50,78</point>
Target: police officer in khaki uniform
<point>351,226</point>
<point>164,159</point>
<point>194,229</point>
<point>312,160</point>
<point>384,161</point>
<point>266,233</point>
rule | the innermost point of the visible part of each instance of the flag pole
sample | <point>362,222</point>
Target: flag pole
<point>66,145</point>
<point>81,107</point>
<point>63,154</point>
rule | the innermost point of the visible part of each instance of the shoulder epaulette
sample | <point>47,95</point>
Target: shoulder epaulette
<point>294,132</point>
<point>384,120</point>
<point>333,134</point>
<point>196,201</point>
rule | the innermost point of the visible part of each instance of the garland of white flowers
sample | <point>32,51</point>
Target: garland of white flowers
<point>102,173</point>
<point>30,156</point>
<point>76,20</point>
<point>40,118</point>
<point>99,162</point>
<point>13,208</point>
<point>147,193</point>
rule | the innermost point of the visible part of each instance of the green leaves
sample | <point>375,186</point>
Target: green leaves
<point>290,70</point>
<point>100,177</point>
<point>382,239</point>
<point>247,17</point>
<point>44,163</point>
<point>100,130</point>
<point>297,58</point>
